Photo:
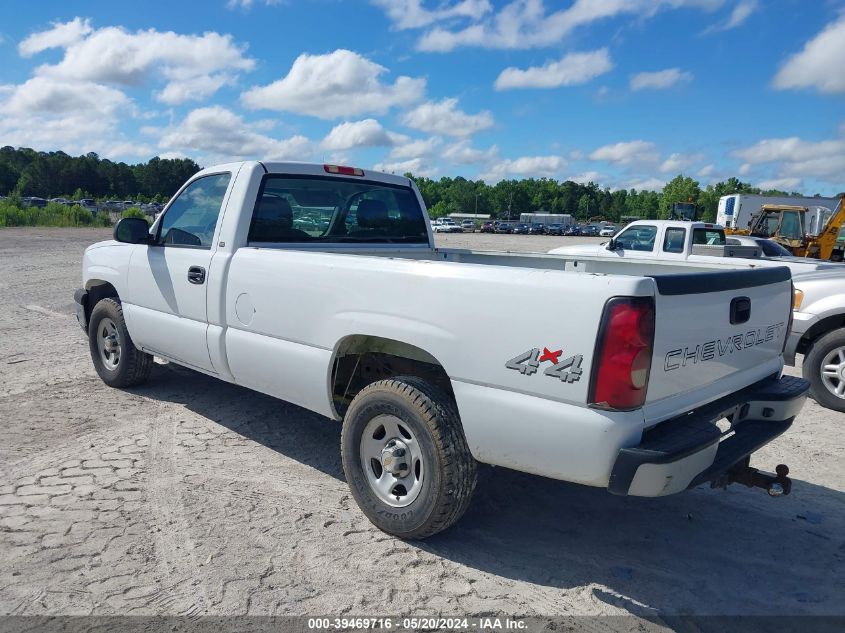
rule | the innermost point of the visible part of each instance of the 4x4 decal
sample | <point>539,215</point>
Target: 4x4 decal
<point>527,363</point>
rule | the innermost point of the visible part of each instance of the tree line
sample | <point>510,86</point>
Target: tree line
<point>25,172</point>
<point>510,198</point>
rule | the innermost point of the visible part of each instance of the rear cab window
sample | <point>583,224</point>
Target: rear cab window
<point>709,237</point>
<point>333,210</point>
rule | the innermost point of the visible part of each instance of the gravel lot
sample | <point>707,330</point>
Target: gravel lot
<point>192,496</point>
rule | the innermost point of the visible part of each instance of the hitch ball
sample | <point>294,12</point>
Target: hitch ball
<point>775,490</point>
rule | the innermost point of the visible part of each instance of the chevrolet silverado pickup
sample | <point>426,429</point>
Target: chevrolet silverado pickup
<point>818,323</point>
<point>321,285</point>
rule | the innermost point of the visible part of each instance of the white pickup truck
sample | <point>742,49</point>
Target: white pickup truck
<point>582,370</point>
<point>818,323</point>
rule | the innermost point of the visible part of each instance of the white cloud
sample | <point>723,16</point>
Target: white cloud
<point>417,166</point>
<point>413,148</point>
<point>366,133</point>
<point>796,157</point>
<point>627,152</point>
<point>745,169</point>
<point>525,24</point>
<point>411,14</point>
<point>529,166</point>
<point>193,89</point>
<point>61,35</point>
<point>679,162</point>
<point>740,13</point>
<point>223,135</point>
<point>819,64</point>
<point>660,79</point>
<point>646,184</point>
<point>783,184</point>
<point>444,117</point>
<point>113,55</point>
<point>76,117</point>
<point>706,171</point>
<point>588,177</point>
<point>572,69</point>
<point>338,84</point>
<point>462,153</point>
<point>247,4</point>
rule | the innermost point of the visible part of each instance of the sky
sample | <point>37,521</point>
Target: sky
<point>624,93</point>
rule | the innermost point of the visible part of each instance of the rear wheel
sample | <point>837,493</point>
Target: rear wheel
<point>406,458</point>
<point>116,359</point>
<point>824,367</point>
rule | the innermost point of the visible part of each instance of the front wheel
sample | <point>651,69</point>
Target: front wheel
<point>406,458</point>
<point>116,359</point>
<point>824,367</point>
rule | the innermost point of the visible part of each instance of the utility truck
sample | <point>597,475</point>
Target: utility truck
<point>610,375</point>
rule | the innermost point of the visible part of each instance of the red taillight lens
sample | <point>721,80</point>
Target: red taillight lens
<point>623,354</point>
<point>344,170</point>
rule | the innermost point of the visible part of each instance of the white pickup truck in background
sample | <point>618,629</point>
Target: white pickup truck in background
<point>609,374</point>
<point>818,324</point>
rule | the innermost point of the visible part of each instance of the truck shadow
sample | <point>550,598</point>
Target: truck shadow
<point>703,552</point>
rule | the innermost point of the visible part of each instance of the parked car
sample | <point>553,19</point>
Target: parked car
<point>607,231</point>
<point>769,247</point>
<point>488,227</point>
<point>537,228</point>
<point>468,226</point>
<point>522,229</point>
<point>504,227</point>
<point>572,231</point>
<point>554,229</point>
<point>33,201</point>
<point>622,393</point>
<point>445,225</point>
<point>590,231</point>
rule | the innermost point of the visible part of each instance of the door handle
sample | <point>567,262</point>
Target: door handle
<point>196,274</point>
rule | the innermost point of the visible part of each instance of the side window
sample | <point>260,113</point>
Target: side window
<point>638,238</point>
<point>192,217</point>
<point>673,241</point>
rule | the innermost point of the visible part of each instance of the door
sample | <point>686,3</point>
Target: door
<point>168,279</point>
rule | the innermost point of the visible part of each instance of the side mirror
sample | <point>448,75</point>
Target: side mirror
<point>612,245</point>
<point>132,231</point>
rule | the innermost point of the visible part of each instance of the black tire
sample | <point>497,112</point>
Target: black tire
<point>812,369</point>
<point>449,468</point>
<point>132,366</point>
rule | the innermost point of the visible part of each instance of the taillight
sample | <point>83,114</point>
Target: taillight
<point>797,299</point>
<point>344,170</point>
<point>622,360</point>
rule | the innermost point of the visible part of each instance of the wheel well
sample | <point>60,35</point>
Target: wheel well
<point>362,360</point>
<point>820,329</point>
<point>97,290</point>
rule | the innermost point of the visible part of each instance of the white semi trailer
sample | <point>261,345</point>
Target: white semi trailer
<point>735,211</point>
<point>546,218</point>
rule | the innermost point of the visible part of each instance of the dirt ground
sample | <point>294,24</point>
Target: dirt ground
<point>192,496</point>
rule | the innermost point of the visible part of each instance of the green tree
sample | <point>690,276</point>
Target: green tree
<point>680,189</point>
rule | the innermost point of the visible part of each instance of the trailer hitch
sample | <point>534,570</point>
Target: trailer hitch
<point>776,484</point>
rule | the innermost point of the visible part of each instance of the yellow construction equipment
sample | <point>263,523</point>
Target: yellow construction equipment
<point>824,245</point>
<point>786,225</point>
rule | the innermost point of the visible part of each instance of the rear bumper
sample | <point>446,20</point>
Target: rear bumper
<point>80,298</point>
<point>690,450</point>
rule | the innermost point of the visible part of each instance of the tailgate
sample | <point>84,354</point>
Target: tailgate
<point>715,332</point>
